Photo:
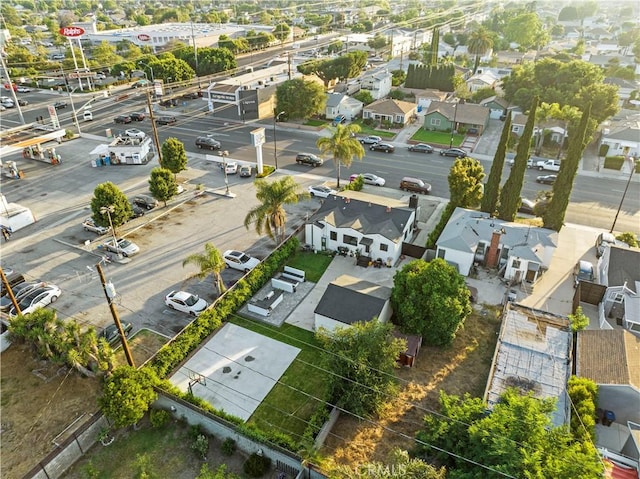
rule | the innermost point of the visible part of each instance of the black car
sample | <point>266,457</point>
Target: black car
<point>455,152</point>
<point>136,211</point>
<point>145,201</point>
<point>59,105</point>
<point>122,119</point>
<point>192,95</point>
<point>166,120</point>
<point>421,148</point>
<point>381,146</point>
<point>309,159</point>
<point>137,116</point>
<point>110,333</point>
<point>546,179</point>
<point>207,142</point>
<point>169,102</point>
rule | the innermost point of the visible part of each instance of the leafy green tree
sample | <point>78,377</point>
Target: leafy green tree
<point>553,217</point>
<point>398,77</point>
<point>270,216</point>
<point>578,320</point>
<point>527,30</point>
<point>335,47</point>
<point>583,394</point>
<point>210,60</point>
<point>398,463</point>
<point>342,146</point>
<point>377,42</point>
<point>167,66</point>
<point>174,156</point>
<point>300,98</point>
<point>127,395</point>
<point>219,473</point>
<point>108,196</point>
<point>282,32</point>
<point>431,300</point>
<point>516,439</point>
<point>492,188</point>
<point>510,194</point>
<point>480,42</point>
<point>105,54</point>
<point>362,358</point>
<point>162,185</point>
<point>364,96</point>
<point>209,262</point>
<point>465,182</point>
<point>628,238</point>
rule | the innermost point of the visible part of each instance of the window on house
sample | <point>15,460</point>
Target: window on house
<point>515,263</point>
<point>516,129</point>
<point>618,298</point>
<point>441,253</point>
<point>435,121</point>
<point>333,236</point>
<point>384,247</point>
<point>348,239</point>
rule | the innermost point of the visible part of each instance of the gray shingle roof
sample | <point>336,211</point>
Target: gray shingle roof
<point>610,356</point>
<point>391,107</point>
<point>348,306</point>
<point>624,267</point>
<point>334,99</point>
<point>466,112</point>
<point>625,133</point>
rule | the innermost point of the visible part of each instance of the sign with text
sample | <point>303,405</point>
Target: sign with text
<point>257,137</point>
<point>71,32</point>
<point>143,37</point>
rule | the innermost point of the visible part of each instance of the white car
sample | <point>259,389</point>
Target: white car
<point>89,225</point>
<point>321,191</point>
<point>23,89</point>
<point>186,302</point>
<point>231,168</point>
<point>240,261</point>
<point>39,298</point>
<point>6,102</point>
<point>19,292</point>
<point>369,179</point>
<point>135,133</point>
<point>124,247</point>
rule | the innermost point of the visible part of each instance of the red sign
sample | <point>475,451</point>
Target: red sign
<point>143,37</point>
<point>71,32</point>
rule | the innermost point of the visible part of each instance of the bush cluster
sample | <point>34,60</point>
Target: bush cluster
<point>228,447</point>
<point>256,465</point>
<point>159,417</point>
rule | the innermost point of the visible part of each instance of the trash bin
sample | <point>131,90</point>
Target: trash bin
<point>609,417</point>
<point>107,161</point>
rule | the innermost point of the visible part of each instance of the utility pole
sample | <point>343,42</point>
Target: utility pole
<point>9,290</point>
<point>154,127</point>
<point>13,92</point>
<point>109,292</point>
<point>626,188</point>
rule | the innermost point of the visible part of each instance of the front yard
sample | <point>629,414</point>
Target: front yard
<point>441,138</point>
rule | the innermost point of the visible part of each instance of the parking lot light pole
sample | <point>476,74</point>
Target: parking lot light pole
<point>453,127</point>
<point>108,210</point>
<point>150,69</point>
<point>275,140</point>
<point>224,155</point>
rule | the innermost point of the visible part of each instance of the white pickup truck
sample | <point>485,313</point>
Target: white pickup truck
<point>549,165</point>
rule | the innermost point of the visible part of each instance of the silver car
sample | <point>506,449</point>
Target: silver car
<point>124,247</point>
<point>89,225</point>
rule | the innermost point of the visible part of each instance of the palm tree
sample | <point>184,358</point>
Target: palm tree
<point>343,146</point>
<point>209,262</point>
<point>479,43</point>
<point>269,216</point>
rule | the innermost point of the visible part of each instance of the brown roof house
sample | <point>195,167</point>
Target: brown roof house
<point>442,116</point>
<point>395,111</point>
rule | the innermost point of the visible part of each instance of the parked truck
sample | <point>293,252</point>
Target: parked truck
<point>549,165</point>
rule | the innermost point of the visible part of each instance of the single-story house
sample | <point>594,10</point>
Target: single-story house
<point>554,128</point>
<point>624,140</point>
<point>443,116</point>
<point>395,111</point>
<point>341,104</point>
<point>625,87</point>
<point>513,57</point>
<point>426,96</point>
<point>497,106</point>
<point>349,300</point>
<point>619,271</point>
<point>482,80</point>
<point>374,226</point>
<point>523,252</point>
<point>378,82</point>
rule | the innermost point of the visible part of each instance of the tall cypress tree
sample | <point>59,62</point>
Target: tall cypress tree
<point>510,194</point>
<point>435,40</point>
<point>553,216</point>
<point>492,188</point>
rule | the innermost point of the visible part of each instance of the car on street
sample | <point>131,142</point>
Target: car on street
<point>137,116</point>
<point>231,168</point>
<point>110,333</point>
<point>246,171</point>
<point>416,185</point>
<point>124,247</point>
<point>22,102</point>
<point>421,148</point>
<point>207,142</point>
<point>546,179</point>
<point>511,160</point>
<point>455,152</point>
<point>321,191</point>
<point>370,140</point>
<point>550,165</point>
<point>123,119</point>
<point>166,120</point>
<point>140,83</point>
<point>169,102</point>
<point>36,299</point>
<point>7,102</point>
<point>23,89</point>
<point>19,291</point>
<point>526,206</point>
<point>240,260</point>
<point>186,302</point>
<point>100,76</point>
<point>381,146</point>
<point>60,105</point>
<point>309,159</point>
<point>89,225</point>
<point>369,179</point>
<point>135,133</point>
<point>192,95</point>
<point>145,201</point>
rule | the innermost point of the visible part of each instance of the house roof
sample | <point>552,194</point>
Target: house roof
<point>498,100</point>
<point>625,133</point>
<point>334,99</point>
<point>428,93</point>
<point>391,107</point>
<point>467,228</point>
<point>364,217</point>
<point>609,356</point>
<point>350,300</point>
<point>467,113</point>
<point>624,267</point>
<point>487,78</point>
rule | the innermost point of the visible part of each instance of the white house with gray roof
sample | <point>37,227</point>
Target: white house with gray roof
<point>522,252</point>
<point>342,104</point>
<point>624,140</point>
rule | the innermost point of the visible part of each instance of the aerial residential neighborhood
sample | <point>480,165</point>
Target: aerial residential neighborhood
<point>319,240</point>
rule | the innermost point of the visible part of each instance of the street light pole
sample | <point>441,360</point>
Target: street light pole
<point>275,140</point>
<point>633,169</point>
<point>453,127</point>
<point>150,69</point>
<point>108,210</point>
<point>224,154</point>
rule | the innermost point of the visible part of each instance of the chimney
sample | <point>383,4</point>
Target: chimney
<point>492,255</point>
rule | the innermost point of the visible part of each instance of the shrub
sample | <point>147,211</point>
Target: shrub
<point>355,185</point>
<point>195,431</point>
<point>201,445</point>
<point>256,465</point>
<point>159,417</point>
<point>228,447</point>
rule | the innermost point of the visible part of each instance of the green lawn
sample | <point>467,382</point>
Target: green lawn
<point>314,122</point>
<point>367,130</point>
<point>437,137</point>
<point>314,265</point>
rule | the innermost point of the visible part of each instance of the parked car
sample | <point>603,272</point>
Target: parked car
<point>36,299</point>
<point>338,120</point>
<point>526,206</point>
<point>137,116</point>
<point>208,143</point>
<point>511,160</point>
<point>22,102</point>
<point>13,278</point>
<point>192,95</point>
<point>381,146</point>
<point>140,83</point>
<point>100,76</point>
<point>369,179</point>
<point>7,102</point>
<point>240,260</point>
<point>87,115</point>
<point>169,102</point>
<point>546,179</point>
<point>415,184</point>
<point>23,89</point>
<point>60,105</point>
<point>135,133</point>
<point>583,271</point>
<point>309,159</point>
<point>110,333</point>
<point>321,191</point>
<point>550,165</point>
<point>231,168</point>
<point>604,240</point>
<point>20,290</point>
<point>421,148</point>
<point>455,152</point>
<point>124,247</point>
<point>122,119</point>
<point>166,120</point>
<point>136,211</point>
<point>246,171</point>
<point>145,201</point>
<point>370,140</point>
<point>89,225</point>
<point>185,302</point>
